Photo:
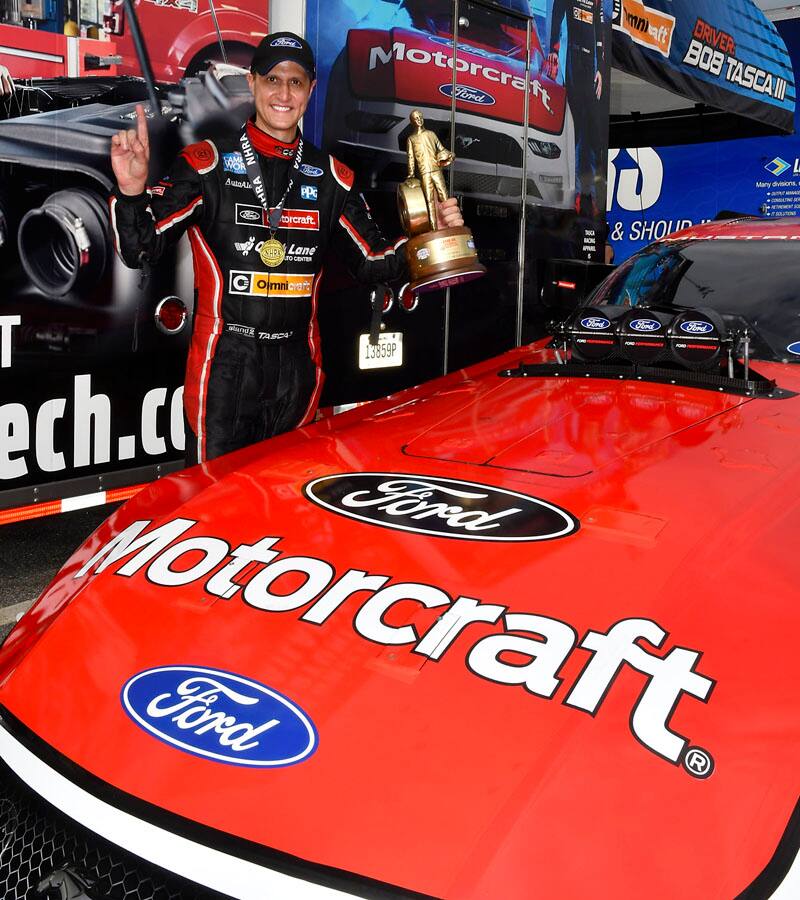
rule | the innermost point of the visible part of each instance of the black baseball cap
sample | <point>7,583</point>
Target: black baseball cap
<point>283,46</point>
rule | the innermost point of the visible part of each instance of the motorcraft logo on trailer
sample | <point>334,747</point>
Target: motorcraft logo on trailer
<point>221,716</point>
<point>442,507</point>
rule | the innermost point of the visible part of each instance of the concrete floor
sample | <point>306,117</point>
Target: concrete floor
<point>32,552</point>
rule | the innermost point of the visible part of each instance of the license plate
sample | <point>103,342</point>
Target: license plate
<point>386,353</point>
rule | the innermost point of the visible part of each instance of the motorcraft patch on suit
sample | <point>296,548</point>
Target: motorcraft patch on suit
<point>256,217</point>
<point>269,284</point>
<point>218,715</point>
<point>441,507</point>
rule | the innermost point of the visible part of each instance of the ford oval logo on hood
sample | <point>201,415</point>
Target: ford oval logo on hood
<point>467,94</point>
<point>645,325</point>
<point>696,326</point>
<point>221,716</point>
<point>441,507</point>
<point>595,322</point>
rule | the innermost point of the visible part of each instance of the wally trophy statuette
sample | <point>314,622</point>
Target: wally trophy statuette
<point>437,257</point>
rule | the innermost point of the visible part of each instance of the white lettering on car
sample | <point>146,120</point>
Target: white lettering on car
<point>546,642</point>
<point>192,711</point>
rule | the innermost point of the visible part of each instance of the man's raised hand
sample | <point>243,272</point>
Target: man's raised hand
<point>130,156</point>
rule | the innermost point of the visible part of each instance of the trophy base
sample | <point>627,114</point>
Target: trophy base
<point>438,259</point>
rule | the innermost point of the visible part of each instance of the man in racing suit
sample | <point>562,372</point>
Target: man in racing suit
<point>585,61</point>
<point>254,365</point>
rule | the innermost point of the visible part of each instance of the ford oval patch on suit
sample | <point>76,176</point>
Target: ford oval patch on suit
<point>218,715</point>
<point>441,507</point>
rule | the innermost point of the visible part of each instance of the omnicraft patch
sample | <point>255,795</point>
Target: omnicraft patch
<point>269,284</point>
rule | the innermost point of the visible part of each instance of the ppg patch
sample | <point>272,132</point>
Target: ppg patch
<point>308,192</point>
<point>233,162</point>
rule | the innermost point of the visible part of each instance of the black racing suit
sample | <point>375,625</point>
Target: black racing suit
<point>585,57</point>
<point>254,366</point>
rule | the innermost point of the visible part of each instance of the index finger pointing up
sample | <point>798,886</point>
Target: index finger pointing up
<point>141,125</point>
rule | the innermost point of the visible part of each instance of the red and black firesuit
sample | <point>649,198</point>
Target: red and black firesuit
<point>254,366</point>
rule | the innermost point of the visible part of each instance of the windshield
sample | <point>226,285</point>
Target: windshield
<point>754,282</point>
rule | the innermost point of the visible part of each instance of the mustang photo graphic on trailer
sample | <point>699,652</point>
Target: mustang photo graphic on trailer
<point>528,630</point>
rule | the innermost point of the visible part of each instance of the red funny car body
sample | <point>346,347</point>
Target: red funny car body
<point>493,637</point>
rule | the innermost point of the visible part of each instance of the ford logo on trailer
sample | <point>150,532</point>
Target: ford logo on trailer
<point>221,716</point>
<point>442,507</point>
<point>467,94</point>
<point>596,323</point>
<point>645,325</point>
<point>696,327</point>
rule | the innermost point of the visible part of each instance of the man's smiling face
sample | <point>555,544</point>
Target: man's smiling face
<point>281,98</point>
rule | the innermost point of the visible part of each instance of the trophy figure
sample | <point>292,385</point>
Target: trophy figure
<point>437,257</point>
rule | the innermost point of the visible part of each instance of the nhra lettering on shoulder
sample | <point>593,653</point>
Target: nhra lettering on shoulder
<point>155,554</point>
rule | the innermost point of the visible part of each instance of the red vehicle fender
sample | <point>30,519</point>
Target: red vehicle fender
<point>235,25</point>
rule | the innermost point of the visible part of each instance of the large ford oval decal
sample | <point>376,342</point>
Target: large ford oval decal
<point>467,94</point>
<point>441,507</point>
<point>221,716</point>
<point>696,327</point>
<point>645,325</point>
<point>596,323</point>
<point>794,348</point>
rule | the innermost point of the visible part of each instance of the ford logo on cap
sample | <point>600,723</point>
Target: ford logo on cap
<point>310,171</point>
<point>467,94</point>
<point>794,348</point>
<point>220,716</point>
<point>696,327</point>
<point>286,42</point>
<point>441,507</point>
<point>595,322</point>
<point>645,325</point>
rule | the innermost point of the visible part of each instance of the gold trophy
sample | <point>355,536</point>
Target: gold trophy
<point>437,257</point>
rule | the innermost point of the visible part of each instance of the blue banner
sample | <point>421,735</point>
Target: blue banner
<point>653,191</point>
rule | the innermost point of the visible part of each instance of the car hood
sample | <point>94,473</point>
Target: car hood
<point>604,695</point>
